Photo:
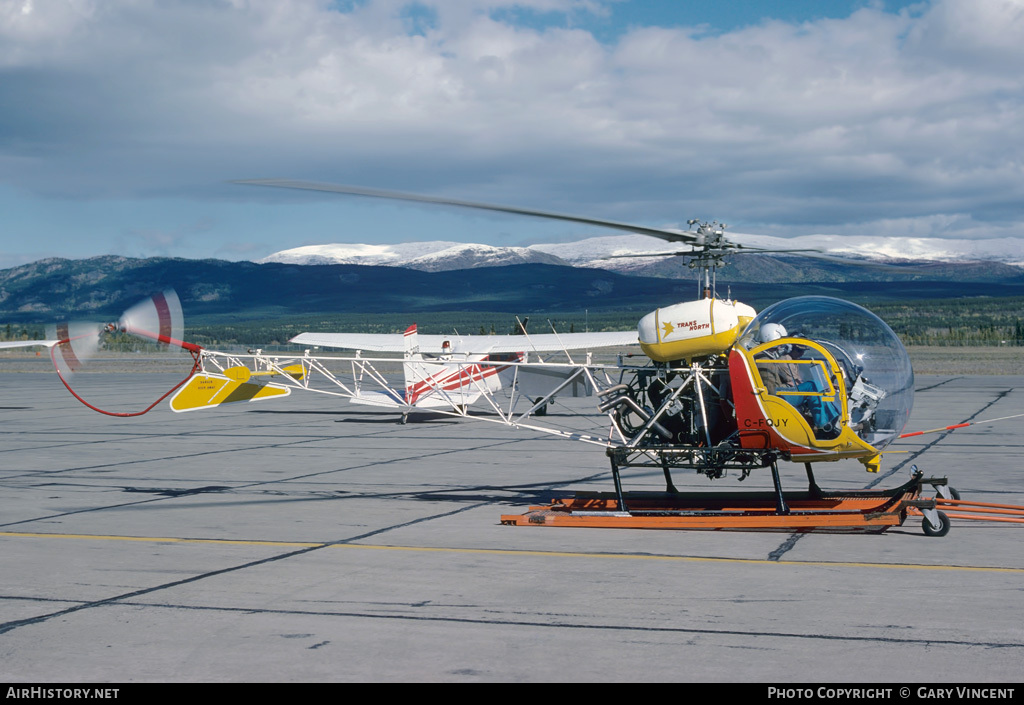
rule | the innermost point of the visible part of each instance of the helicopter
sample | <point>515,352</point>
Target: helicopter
<point>723,389</point>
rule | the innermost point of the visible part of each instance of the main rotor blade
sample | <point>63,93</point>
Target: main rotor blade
<point>733,249</point>
<point>650,254</point>
<point>394,195</point>
<point>916,267</point>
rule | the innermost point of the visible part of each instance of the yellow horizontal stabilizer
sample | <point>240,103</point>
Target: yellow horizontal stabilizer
<point>207,390</point>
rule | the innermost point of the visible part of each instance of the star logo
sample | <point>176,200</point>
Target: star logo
<point>668,328</point>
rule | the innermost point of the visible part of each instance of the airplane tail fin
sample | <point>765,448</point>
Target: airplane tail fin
<point>422,379</point>
<point>412,341</point>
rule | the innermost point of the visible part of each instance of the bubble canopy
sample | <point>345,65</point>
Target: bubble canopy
<point>877,373</point>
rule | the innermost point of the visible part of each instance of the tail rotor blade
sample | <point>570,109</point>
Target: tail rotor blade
<point>157,318</point>
<point>79,341</point>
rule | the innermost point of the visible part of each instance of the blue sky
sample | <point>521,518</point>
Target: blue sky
<point>122,122</point>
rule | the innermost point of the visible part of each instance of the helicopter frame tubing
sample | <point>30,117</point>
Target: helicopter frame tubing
<point>682,428</point>
<point>676,430</point>
<point>365,380</point>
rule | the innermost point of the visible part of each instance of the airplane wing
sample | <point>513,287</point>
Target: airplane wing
<point>432,344</point>
<point>26,343</point>
<point>550,342</point>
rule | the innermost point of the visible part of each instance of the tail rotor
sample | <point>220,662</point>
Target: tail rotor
<point>77,343</point>
<point>157,319</point>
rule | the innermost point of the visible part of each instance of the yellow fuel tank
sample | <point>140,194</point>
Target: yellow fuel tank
<point>693,329</point>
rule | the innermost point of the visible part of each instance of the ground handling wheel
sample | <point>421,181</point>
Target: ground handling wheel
<point>930,530</point>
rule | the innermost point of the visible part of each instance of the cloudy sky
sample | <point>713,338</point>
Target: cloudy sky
<point>121,121</point>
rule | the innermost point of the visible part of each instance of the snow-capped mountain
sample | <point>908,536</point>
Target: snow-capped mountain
<point>1007,250</point>
<point>590,252</point>
<point>436,256</point>
<point>386,255</point>
<point>469,256</point>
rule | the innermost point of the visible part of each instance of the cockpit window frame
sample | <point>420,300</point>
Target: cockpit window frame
<point>831,375</point>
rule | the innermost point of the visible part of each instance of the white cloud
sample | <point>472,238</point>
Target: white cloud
<point>983,37</point>
<point>880,116</point>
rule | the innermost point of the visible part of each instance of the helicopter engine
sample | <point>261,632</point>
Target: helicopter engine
<point>695,419</point>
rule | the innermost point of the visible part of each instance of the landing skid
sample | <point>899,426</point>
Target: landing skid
<point>815,510</point>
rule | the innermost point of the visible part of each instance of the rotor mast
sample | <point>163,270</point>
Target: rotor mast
<point>710,249</point>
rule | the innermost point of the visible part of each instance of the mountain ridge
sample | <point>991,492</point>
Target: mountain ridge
<point>100,288</point>
<point>602,252</point>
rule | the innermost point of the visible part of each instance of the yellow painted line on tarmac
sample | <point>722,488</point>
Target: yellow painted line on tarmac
<point>158,539</point>
<point>517,552</point>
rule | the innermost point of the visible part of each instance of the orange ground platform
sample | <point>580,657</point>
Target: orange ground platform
<point>859,511</point>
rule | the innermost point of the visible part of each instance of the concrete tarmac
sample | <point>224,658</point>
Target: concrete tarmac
<point>302,539</point>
